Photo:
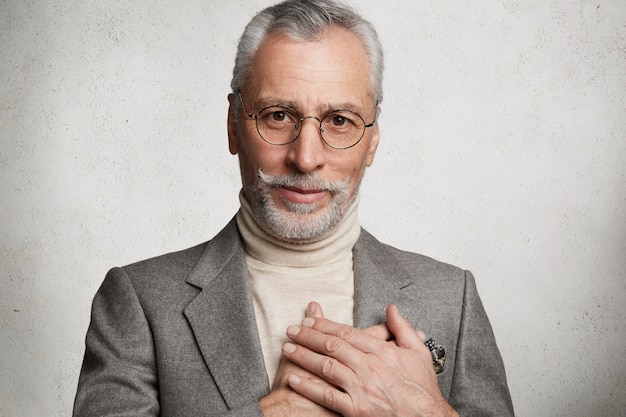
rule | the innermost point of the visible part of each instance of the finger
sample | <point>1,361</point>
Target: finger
<point>403,331</point>
<point>380,331</point>
<point>328,344</point>
<point>362,340</point>
<point>328,368</point>
<point>421,335</point>
<point>290,368</point>
<point>326,396</point>
<point>314,310</point>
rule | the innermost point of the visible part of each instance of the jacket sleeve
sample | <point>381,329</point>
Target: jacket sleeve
<point>119,373</point>
<point>479,386</point>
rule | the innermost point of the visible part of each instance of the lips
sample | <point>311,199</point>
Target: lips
<point>301,195</point>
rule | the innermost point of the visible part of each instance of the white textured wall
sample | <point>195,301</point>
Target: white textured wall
<point>503,151</point>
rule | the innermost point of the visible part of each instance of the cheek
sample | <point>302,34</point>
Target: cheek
<point>270,160</point>
<point>355,164</point>
<point>358,171</point>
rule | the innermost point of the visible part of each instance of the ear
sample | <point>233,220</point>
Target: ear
<point>233,143</point>
<point>373,145</point>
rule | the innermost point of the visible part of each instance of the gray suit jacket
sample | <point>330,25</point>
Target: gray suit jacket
<point>176,335</point>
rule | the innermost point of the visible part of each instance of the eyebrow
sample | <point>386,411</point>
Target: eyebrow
<point>265,102</point>
<point>272,102</point>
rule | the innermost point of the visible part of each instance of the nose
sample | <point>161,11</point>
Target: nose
<point>308,152</point>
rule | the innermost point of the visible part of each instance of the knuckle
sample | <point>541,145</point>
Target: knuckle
<point>333,344</point>
<point>328,367</point>
<point>346,333</point>
<point>330,398</point>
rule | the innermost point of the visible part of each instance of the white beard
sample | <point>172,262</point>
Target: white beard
<point>299,223</point>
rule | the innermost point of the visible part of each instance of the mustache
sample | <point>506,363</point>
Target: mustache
<point>312,182</point>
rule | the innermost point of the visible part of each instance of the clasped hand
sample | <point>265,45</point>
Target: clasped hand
<point>385,370</point>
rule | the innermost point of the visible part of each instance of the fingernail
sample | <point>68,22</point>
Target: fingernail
<point>289,348</point>
<point>293,380</point>
<point>293,330</point>
<point>310,309</point>
<point>308,322</point>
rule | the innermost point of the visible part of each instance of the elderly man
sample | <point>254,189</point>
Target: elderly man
<point>227,328</point>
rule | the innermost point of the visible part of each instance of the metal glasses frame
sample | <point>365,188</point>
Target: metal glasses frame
<point>301,120</point>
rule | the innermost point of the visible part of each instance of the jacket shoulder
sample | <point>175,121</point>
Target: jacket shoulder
<point>414,263</point>
<point>174,262</point>
<point>175,268</point>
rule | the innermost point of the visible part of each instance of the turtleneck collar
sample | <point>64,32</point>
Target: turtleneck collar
<point>266,248</point>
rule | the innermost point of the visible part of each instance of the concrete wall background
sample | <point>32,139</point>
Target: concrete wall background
<point>503,150</point>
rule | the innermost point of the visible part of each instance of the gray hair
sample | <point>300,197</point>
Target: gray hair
<point>306,20</point>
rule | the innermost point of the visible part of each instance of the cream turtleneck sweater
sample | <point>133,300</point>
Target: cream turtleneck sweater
<point>285,277</point>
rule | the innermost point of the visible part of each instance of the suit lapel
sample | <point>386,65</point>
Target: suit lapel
<point>223,321</point>
<point>381,280</point>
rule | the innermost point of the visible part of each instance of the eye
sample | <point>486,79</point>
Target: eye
<point>339,121</point>
<point>279,116</point>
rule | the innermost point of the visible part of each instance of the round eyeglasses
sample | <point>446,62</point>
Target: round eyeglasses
<point>278,125</point>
